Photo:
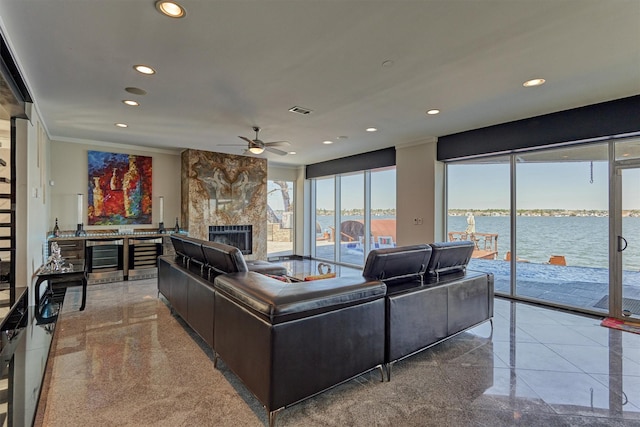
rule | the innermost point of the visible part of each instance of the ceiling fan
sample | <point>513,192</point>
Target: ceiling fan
<point>256,146</point>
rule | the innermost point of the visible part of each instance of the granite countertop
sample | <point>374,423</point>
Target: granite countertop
<point>110,234</point>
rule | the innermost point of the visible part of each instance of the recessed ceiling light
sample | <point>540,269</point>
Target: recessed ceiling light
<point>135,90</point>
<point>342,137</point>
<point>144,69</point>
<point>433,112</point>
<point>121,125</point>
<point>130,102</point>
<point>327,142</point>
<point>170,9</point>
<point>533,82</point>
<point>292,152</point>
<point>372,129</point>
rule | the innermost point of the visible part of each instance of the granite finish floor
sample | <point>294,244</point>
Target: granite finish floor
<point>127,361</point>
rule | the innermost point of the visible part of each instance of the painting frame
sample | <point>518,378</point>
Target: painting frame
<point>119,188</point>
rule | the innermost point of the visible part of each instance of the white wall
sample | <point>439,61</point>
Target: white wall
<point>69,173</point>
<point>419,193</point>
<point>32,198</point>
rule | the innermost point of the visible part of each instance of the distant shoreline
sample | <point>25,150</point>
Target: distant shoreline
<point>543,212</point>
<point>493,212</point>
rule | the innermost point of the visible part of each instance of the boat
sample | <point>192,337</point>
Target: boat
<point>486,244</point>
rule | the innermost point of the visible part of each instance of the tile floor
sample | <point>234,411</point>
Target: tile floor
<point>126,360</point>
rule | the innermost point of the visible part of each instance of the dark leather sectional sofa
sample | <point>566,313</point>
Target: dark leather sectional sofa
<point>290,341</point>
<point>186,280</point>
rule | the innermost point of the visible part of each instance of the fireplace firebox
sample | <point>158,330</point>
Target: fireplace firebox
<point>240,236</point>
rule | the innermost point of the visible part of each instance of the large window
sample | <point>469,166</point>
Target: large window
<point>383,208</point>
<point>366,220</point>
<point>280,219</point>
<point>548,240</point>
<point>479,211</point>
<point>352,216</point>
<point>325,218</point>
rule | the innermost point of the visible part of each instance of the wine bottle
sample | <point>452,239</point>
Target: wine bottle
<point>56,229</point>
<point>177,227</point>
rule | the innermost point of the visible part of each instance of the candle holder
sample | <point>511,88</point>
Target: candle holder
<point>80,231</point>
<point>161,228</point>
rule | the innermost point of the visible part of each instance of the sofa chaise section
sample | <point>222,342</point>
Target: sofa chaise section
<point>288,342</point>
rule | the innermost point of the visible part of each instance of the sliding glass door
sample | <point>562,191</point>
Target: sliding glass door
<point>549,212</point>
<point>625,289</point>
<point>562,226</point>
<point>628,244</point>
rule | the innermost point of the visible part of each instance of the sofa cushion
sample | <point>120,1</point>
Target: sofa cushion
<point>279,302</point>
<point>396,265</point>
<point>449,257</point>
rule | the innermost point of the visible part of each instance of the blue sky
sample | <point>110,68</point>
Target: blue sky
<point>564,185</point>
<point>383,189</point>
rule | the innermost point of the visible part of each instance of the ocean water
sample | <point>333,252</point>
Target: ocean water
<point>583,241</point>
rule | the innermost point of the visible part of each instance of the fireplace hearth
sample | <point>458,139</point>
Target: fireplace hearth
<point>240,236</point>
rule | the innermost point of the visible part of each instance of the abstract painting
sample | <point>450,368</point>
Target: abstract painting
<point>119,189</point>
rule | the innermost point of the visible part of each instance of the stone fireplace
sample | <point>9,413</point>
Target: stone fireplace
<point>225,190</point>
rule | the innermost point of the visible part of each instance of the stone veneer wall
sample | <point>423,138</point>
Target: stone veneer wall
<point>225,189</point>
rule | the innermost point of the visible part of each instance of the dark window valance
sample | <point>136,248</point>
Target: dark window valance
<point>593,121</point>
<point>359,162</point>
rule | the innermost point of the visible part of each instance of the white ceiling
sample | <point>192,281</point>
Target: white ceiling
<point>231,65</point>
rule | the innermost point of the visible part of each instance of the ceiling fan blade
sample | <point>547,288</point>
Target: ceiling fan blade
<point>276,151</point>
<point>246,139</point>
<point>277,144</point>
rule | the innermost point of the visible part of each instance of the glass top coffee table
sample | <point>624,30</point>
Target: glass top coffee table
<point>299,270</point>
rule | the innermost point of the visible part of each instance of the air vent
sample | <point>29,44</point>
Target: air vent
<point>300,110</point>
